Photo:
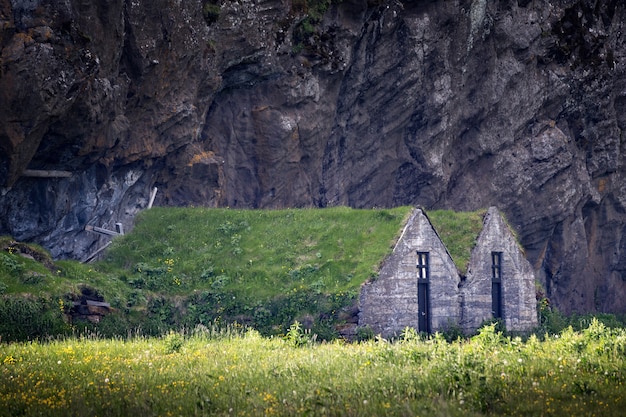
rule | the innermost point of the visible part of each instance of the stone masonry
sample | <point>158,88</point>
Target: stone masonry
<point>390,303</point>
<point>519,304</point>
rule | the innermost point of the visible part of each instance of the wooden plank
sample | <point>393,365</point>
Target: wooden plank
<point>97,303</point>
<point>46,173</point>
<point>101,230</point>
<point>152,196</point>
<point>93,255</point>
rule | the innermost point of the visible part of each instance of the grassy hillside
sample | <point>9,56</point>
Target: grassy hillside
<point>181,267</point>
<point>186,266</point>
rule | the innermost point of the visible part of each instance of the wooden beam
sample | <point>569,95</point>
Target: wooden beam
<point>101,230</point>
<point>91,257</point>
<point>44,173</point>
<point>152,195</point>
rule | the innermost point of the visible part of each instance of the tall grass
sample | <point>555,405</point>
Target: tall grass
<point>238,372</point>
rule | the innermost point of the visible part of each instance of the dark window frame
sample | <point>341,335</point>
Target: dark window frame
<point>423,266</point>
<point>496,266</point>
<point>496,285</point>
<point>423,291</point>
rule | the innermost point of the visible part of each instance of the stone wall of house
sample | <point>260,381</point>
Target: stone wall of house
<point>519,307</point>
<point>475,289</point>
<point>390,303</point>
<point>444,282</point>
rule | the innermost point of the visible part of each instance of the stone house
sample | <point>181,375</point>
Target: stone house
<point>419,285</point>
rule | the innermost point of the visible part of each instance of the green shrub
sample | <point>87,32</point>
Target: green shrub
<point>453,332</point>
<point>173,342</point>
<point>211,13</point>
<point>31,278</point>
<point>295,336</point>
<point>364,333</point>
<point>27,318</point>
<point>11,264</point>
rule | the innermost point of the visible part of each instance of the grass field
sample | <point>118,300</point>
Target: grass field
<point>240,373</point>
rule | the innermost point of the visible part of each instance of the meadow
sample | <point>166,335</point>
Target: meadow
<point>234,371</point>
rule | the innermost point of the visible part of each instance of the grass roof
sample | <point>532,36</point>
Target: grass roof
<point>181,266</point>
<point>261,252</point>
<point>459,232</point>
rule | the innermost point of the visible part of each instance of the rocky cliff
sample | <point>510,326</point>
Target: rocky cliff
<point>455,104</point>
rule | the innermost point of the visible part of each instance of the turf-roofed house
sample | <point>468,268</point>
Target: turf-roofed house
<point>421,286</point>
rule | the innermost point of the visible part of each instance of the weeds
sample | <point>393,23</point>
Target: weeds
<point>232,370</point>
<point>174,342</point>
<point>297,336</point>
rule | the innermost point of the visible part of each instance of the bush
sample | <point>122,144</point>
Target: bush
<point>364,333</point>
<point>173,342</point>
<point>27,318</point>
<point>11,264</point>
<point>211,13</point>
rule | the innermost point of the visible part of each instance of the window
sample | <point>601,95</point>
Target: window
<point>496,284</point>
<point>422,265</point>
<point>496,266</point>
<point>423,275</point>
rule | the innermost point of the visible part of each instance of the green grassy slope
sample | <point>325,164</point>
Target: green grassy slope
<point>256,253</point>
<point>189,266</point>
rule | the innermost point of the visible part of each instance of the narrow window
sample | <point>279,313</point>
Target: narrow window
<point>496,284</point>
<point>422,265</point>
<point>423,275</point>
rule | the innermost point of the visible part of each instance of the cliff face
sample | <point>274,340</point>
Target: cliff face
<point>280,103</point>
